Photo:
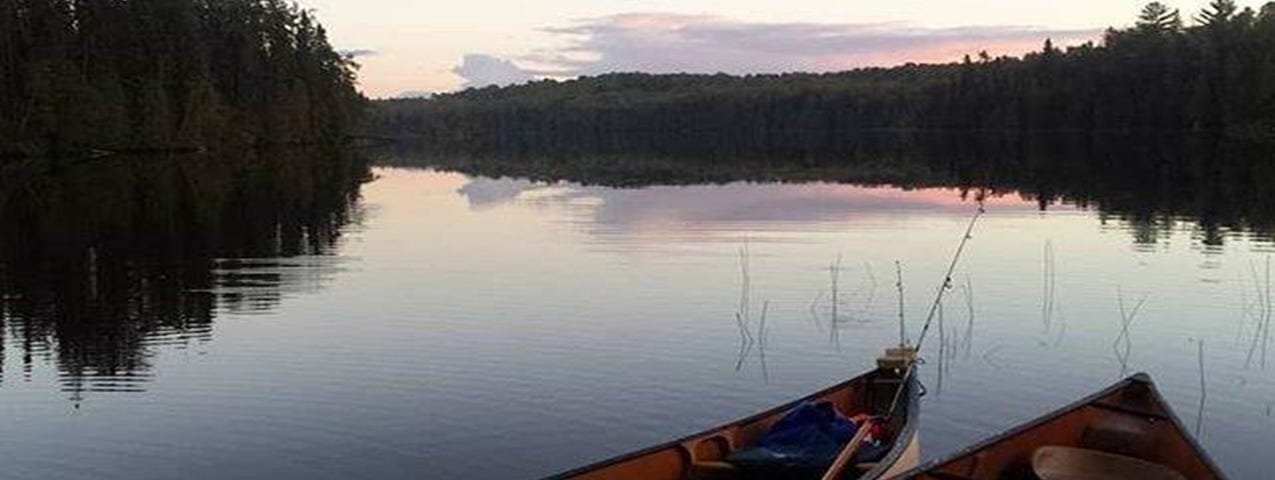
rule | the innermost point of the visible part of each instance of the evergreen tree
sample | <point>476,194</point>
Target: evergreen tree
<point>1156,17</point>
<point>168,74</point>
<point>1218,13</point>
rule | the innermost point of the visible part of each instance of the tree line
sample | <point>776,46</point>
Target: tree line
<point>135,75</point>
<point>1216,74</point>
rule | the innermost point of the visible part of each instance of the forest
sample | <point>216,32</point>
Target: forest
<point>1212,72</point>
<point>166,75</point>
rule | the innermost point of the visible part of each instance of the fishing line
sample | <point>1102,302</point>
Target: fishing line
<point>938,298</point>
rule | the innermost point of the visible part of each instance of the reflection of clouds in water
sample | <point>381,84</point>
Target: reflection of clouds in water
<point>484,192</point>
<point>708,207</point>
<point>774,203</point>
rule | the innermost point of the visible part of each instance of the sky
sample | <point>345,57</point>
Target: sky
<point>414,47</point>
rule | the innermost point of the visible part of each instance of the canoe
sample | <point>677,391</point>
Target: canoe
<point>1124,431</point>
<point>703,455</point>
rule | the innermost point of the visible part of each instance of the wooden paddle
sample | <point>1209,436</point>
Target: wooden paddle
<point>848,451</point>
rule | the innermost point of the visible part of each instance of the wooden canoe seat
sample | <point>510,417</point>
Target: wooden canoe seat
<point>713,470</point>
<point>863,467</point>
<point>1124,435</point>
<point>1067,463</point>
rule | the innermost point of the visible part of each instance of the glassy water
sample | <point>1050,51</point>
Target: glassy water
<point>291,319</point>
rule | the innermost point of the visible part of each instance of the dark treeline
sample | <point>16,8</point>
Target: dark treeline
<point>122,75</point>
<point>1217,74</point>
<point>1152,184</point>
<point>102,260</point>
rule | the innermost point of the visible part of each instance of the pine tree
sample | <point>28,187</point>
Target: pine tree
<point>1218,13</point>
<point>1156,17</point>
<point>147,74</point>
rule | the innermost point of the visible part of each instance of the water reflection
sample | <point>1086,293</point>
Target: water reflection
<point>103,261</point>
<point>1152,186</point>
<point>457,293</point>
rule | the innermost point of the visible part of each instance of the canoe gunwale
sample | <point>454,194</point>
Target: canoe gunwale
<point>906,433</point>
<point>1090,400</point>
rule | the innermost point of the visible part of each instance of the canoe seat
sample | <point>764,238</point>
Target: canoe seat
<point>1124,435</point>
<point>864,467</point>
<point>1067,463</point>
<point>713,470</point>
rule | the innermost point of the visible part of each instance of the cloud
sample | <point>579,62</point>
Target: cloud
<point>479,70</point>
<point>671,43</point>
<point>678,43</point>
<point>409,94</point>
<point>360,52</point>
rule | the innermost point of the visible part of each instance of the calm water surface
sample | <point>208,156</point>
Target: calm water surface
<point>452,326</point>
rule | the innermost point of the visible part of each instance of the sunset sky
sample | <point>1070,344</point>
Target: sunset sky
<point>413,46</point>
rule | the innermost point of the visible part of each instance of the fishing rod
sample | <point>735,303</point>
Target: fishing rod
<point>947,279</point>
<point>938,299</point>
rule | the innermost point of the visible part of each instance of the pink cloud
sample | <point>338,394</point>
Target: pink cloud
<point>676,43</point>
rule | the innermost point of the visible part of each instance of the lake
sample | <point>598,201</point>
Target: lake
<point>281,317</point>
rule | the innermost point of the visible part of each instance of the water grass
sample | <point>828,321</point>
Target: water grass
<point>1048,286</point>
<point>745,341</point>
<point>761,342</point>
<point>1262,328</point>
<point>1204,392</point>
<point>741,313</point>
<point>834,273</point>
<point>1267,307</point>
<point>988,356</point>
<point>743,321</point>
<point>968,342</point>
<point>942,366</point>
<point>745,283</point>
<point>814,310</point>
<point>844,308</point>
<point>872,289</point>
<point>1123,339</point>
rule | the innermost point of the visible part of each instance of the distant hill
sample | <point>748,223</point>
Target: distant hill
<point>1160,75</point>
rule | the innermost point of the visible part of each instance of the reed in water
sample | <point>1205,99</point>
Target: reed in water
<point>1123,344</point>
<point>1048,286</point>
<point>1265,309</point>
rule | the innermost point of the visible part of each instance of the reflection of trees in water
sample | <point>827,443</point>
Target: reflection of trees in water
<point>103,260</point>
<point>1149,184</point>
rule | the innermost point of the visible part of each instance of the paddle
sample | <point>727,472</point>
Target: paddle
<point>848,452</point>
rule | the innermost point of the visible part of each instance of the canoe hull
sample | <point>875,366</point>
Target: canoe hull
<point>703,455</point>
<point>1128,420</point>
<point>908,460</point>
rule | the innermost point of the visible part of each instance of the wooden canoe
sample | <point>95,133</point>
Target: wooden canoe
<point>1124,431</point>
<point>702,455</point>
